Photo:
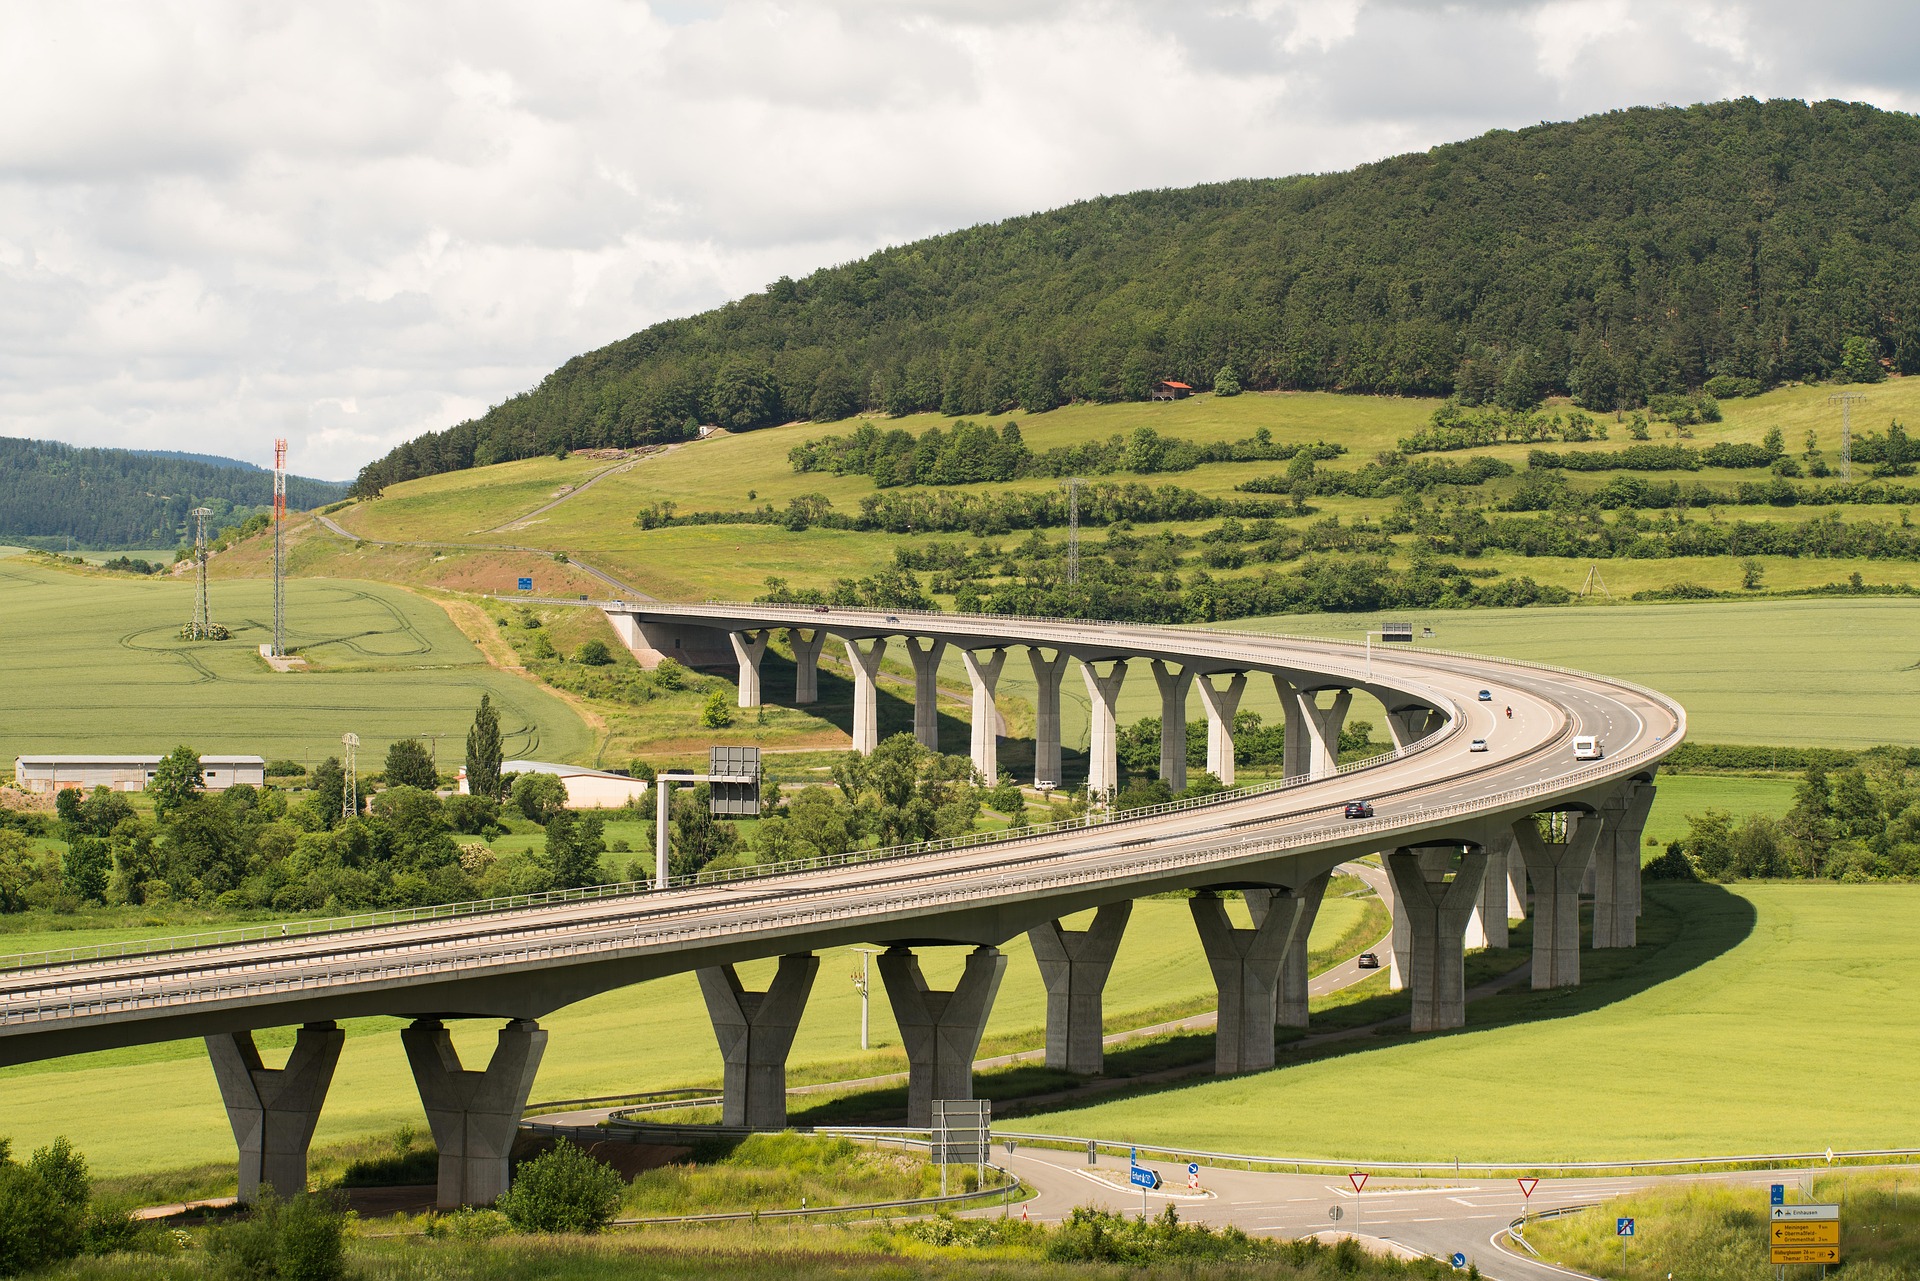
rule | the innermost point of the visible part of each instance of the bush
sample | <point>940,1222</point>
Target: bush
<point>564,1190</point>
<point>297,1240</point>
<point>539,796</point>
<point>286,769</point>
<point>715,713</point>
<point>593,653</point>
<point>1729,387</point>
<point>471,815</point>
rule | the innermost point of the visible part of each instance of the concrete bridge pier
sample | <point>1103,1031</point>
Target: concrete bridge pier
<point>941,1030</point>
<point>1246,972</point>
<point>866,692</point>
<point>1515,864</point>
<point>1556,870</point>
<point>1490,916</point>
<point>926,655</point>
<point>1400,941</point>
<point>755,1031</point>
<point>1411,722</point>
<point>473,1115</point>
<point>806,664</point>
<point>1221,706</point>
<point>1103,749</point>
<point>1440,895</point>
<point>273,1110</point>
<point>1173,684</point>
<point>1074,965</point>
<point>1295,752</point>
<point>749,648</point>
<point>1046,722</point>
<point>984,673</point>
<point>1290,1001</point>
<point>1323,730</point>
<point>1616,886</point>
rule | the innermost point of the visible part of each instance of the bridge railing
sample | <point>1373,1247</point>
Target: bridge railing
<point>271,931</point>
<point>534,944</point>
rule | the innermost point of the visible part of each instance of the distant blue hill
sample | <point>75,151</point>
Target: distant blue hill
<point>212,460</point>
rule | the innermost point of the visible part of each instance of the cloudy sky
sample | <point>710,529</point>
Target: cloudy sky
<point>348,223</point>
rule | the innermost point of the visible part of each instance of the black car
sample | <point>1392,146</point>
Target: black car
<point>1359,809</point>
<point>1368,961</point>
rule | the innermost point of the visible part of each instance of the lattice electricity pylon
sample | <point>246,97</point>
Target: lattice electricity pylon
<point>1846,400</point>
<point>1073,528</point>
<point>202,627</point>
<point>350,766</point>
<point>279,563</point>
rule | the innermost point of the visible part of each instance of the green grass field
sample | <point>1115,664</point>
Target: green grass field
<point>1679,795</point>
<point>95,664</point>
<point>156,1107</point>
<point>1773,1017</point>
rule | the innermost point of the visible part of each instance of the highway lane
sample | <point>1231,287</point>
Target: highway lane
<point>658,933</point>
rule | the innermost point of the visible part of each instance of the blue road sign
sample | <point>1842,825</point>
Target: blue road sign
<point>1623,1227</point>
<point>526,584</point>
<point>1459,1260</point>
<point>1141,1177</point>
<point>1779,1194</point>
<point>1193,1167</point>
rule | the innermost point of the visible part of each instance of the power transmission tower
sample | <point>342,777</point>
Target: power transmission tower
<point>1073,528</point>
<point>1846,399</point>
<point>202,627</point>
<point>349,765</point>
<point>279,564</point>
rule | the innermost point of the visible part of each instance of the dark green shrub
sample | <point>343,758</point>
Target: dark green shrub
<point>564,1190</point>
<point>297,1240</point>
<point>593,653</point>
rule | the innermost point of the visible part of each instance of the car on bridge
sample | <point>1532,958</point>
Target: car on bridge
<point>1586,748</point>
<point>1358,809</point>
<point>1486,696</point>
<point>1478,745</point>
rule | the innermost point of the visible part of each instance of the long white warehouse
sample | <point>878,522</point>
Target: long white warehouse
<point>127,773</point>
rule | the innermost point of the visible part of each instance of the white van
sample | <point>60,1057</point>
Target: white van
<point>1586,748</point>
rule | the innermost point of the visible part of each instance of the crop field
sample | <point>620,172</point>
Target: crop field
<point>651,1036</point>
<point>1707,1044</point>
<point>1679,795</point>
<point>95,664</point>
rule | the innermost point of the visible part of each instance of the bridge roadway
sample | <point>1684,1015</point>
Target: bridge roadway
<point>1443,815</point>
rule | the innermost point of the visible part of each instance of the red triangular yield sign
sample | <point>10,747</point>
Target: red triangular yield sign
<point>1358,1180</point>
<point>1527,1186</point>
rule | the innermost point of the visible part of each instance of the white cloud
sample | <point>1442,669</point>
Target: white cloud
<point>353,222</point>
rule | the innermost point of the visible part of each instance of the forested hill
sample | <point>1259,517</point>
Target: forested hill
<point>1612,257</point>
<point>116,498</point>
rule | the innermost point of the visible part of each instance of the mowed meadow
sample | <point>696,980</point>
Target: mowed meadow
<point>95,663</point>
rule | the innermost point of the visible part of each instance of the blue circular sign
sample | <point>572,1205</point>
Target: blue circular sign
<point>1459,1260</point>
<point>1193,1167</point>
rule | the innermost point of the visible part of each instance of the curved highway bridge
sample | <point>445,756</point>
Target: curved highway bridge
<point>1454,827</point>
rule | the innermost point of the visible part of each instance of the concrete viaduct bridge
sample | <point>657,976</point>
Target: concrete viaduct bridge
<point>1455,828</point>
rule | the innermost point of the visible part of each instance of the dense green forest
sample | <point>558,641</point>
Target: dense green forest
<point>1630,256</point>
<point>115,498</point>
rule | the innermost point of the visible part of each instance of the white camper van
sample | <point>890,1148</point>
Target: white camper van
<point>1586,748</point>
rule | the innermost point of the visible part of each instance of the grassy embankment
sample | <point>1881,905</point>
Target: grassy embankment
<point>1717,1233</point>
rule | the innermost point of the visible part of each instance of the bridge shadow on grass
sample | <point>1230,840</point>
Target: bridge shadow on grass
<point>1683,927</point>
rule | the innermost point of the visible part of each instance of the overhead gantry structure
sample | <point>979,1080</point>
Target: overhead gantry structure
<point>1457,831</point>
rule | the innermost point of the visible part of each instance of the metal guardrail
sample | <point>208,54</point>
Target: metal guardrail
<point>536,944</point>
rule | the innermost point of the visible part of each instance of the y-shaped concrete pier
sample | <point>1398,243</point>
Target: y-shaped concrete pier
<point>473,1115</point>
<point>1074,965</point>
<point>755,1031</point>
<point>273,1110</point>
<point>941,1030</point>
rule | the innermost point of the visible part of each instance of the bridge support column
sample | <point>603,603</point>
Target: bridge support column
<point>1221,705</point>
<point>1046,719</point>
<point>926,689</point>
<point>866,693</point>
<point>1616,886</point>
<point>1173,684</point>
<point>273,1110</point>
<point>749,648</point>
<point>1296,755</point>
<point>473,1115</point>
<point>1103,748</point>
<point>1490,913</point>
<point>1074,965</point>
<point>1323,731</point>
<point>1400,941</point>
<point>1408,725</point>
<point>1516,870</point>
<point>984,673</point>
<point>941,1030</point>
<point>1556,870</point>
<point>806,665</point>
<point>1246,972</point>
<point>755,1031</point>
<point>1437,912</point>
<point>1290,1001</point>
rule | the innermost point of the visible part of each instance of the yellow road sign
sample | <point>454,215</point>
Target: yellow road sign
<point>1817,1232</point>
<point>1806,1254</point>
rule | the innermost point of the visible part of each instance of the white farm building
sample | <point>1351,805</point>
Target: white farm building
<point>587,789</point>
<point>127,773</point>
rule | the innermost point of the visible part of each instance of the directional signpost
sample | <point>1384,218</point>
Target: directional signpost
<point>526,584</point>
<point>1804,1234</point>
<point>1141,1177</point>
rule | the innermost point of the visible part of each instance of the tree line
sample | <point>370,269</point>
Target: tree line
<point>1858,822</point>
<point>1615,258</point>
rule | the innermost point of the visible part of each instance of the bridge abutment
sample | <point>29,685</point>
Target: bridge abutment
<point>273,1110</point>
<point>1046,715</point>
<point>748,649</point>
<point>1074,965</point>
<point>1556,870</point>
<point>941,1030</point>
<point>473,1115</point>
<point>926,655</point>
<point>866,692</point>
<point>1439,895</point>
<point>984,675</point>
<point>1290,998</point>
<point>1246,973</point>
<point>755,1031</point>
<point>806,664</point>
<point>1173,683</point>
<point>1221,705</point>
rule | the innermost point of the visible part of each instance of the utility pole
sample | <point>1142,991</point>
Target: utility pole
<point>862,985</point>
<point>1846,399</point>
<point>279,562</point>
<point>1073,529</point>
<point>202,627</point>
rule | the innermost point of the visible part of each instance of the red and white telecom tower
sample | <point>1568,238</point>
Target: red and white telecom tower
<point>279,519</point>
